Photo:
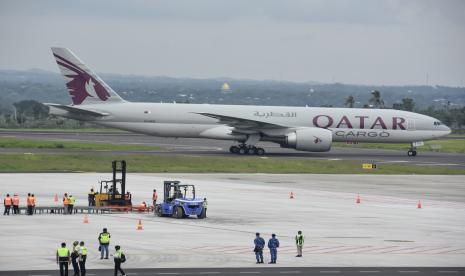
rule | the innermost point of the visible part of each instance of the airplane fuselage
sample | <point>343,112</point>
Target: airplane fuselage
<point>346,124</point>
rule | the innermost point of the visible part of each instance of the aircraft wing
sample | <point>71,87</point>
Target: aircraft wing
<point>78,111</point>
<point>242,123</point>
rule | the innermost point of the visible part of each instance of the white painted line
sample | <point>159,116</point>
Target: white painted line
<point>448,271</point>
<point>369,271</point>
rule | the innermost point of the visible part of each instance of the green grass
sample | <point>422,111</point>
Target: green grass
<point>72,130</point>
<point>450,146</point>
<point>190,164</point>
<point>6,142</point>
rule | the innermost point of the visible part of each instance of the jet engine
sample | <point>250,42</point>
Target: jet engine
<point>309,139</point>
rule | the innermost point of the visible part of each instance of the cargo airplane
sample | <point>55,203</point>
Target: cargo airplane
<point>310,129</point>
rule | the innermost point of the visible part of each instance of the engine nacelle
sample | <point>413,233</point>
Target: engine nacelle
<point>309,139</point>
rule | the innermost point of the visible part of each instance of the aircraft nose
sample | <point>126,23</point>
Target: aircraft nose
<point>448,130</point>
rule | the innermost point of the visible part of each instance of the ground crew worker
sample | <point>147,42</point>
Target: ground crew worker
<point>63,259</point>
<point>104,240</point>
<point>154,197</point>
<point>71,201</point>
<point>82,258</point>
<point>205,206</point>
<point>33,203</point>
<point>7,202</point>
<point>142,207</point>
<point>119,258</point>
<point>30,204</point>
<point>65,203</point>
<point>74,258</point>
<point>259,243</point>
<point>273,245</point>
<point>299,242</point>
<point>15,204</point>
<point>91,197</point>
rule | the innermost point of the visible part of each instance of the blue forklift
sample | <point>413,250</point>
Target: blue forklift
<point>179,201</point>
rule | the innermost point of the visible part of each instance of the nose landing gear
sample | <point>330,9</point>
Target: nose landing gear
<point>412,151</point>
<point>244,149</point>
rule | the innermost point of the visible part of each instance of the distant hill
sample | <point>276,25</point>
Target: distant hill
<point>45,86</point>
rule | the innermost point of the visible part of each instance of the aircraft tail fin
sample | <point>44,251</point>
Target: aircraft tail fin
<point>84,86</point>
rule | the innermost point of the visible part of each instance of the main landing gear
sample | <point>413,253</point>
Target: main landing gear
<point>412,151</point>
<point>244,149</point>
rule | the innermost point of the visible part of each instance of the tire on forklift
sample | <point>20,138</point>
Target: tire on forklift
<point>178,212</point>
<point>202,214</point>
<point>158,211</point>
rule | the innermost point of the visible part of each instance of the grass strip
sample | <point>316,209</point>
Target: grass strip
<point>191,164</point>
<point>6,142</point>
<point>449,146</point>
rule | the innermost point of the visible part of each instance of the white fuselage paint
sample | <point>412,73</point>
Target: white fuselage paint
<point>346,124</point>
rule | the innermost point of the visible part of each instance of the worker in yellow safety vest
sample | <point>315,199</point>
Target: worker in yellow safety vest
<point>63,259</point>
<point>82,258</point>
<point>205,206</point>
<point>104,240</point>
<point>71,202</point>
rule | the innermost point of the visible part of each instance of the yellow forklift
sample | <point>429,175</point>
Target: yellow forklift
<point>113,192</point>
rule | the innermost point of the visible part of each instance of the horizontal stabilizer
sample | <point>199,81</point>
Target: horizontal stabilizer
<point>78,111</point>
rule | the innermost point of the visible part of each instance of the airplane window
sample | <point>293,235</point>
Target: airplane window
<point>147,112</point>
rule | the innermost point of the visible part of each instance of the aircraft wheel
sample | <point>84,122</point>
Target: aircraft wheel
<point>260,151</point>
<point>252,150</point>
<point>412,153</point>
<point>242,150</point>
<point>234,149</point>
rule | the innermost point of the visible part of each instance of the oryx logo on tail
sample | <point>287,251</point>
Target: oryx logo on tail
<point>81,84</point>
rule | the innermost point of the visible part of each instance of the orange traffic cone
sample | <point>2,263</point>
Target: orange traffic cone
<point>419,204</point>
<point>291,196</point>
<point>56,198</point>
<point>139,225</point>
<point>358,201</point>
<point>86,220</point>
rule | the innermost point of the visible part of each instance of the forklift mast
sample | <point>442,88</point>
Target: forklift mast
<point>119,166</point>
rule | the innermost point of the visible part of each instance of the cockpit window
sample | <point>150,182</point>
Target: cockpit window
<point>437,123</point>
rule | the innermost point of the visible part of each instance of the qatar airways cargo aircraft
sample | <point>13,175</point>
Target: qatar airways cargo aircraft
<point>310,129</point>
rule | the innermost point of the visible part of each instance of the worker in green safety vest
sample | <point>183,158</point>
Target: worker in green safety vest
<point>205,206</point>
<point>299,242</point>
<point>63,259</point>
<point>71,202</point>
<point>119,258</point>
<point>82,258</point>
<point>104,240</point>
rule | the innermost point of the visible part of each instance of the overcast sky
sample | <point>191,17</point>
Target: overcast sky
<point>363,42</point>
